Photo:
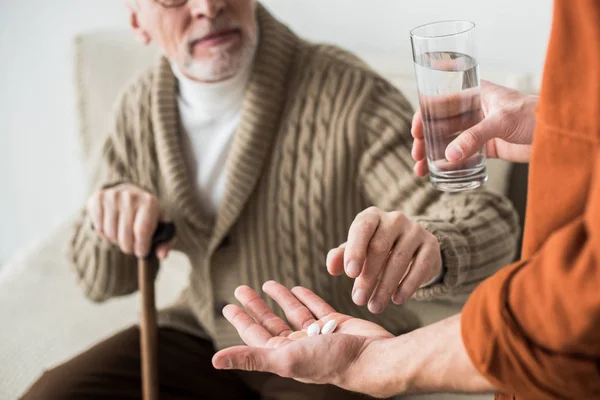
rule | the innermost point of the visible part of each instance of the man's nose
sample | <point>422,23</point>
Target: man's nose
<point>206,8</point>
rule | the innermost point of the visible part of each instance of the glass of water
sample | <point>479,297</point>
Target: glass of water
<point>447,73</point>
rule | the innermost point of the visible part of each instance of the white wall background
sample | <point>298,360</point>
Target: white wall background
<point>40,179</point>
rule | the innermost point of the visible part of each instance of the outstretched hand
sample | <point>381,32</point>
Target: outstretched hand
<point>274,346</point>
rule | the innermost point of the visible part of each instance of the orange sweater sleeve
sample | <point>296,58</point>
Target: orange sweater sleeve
<point>534,328</point>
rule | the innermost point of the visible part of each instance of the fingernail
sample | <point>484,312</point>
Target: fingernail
<point>353,269</point>
<point>328,258</point>
<point>375,307</point>
<point>454,152</point>
<point>398,299</point>
<point>224,363</point>
<point>360,297</point>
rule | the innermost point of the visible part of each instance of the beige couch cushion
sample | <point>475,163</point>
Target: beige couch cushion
<point>104,62</point>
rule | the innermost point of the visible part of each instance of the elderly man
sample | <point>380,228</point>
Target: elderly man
<point>266,151</point>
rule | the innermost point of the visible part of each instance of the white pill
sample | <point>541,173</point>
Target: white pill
<point>313,329</point>
<point>329,327</point>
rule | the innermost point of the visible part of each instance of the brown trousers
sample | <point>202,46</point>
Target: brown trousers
<point>111,370</point>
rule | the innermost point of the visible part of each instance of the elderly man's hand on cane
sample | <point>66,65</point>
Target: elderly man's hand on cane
<point>128,217</point>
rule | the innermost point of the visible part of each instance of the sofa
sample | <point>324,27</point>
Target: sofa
<point>45,317</point>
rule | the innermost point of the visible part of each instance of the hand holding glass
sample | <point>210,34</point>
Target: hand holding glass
<point>449,96</point>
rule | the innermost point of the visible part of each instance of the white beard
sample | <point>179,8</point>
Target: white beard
<point>224,64</point>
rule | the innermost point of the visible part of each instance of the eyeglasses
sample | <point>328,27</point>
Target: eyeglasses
<point>171,3</point>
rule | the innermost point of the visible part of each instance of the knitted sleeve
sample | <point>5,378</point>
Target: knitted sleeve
<point>103,271</point>
<point>477,230</point>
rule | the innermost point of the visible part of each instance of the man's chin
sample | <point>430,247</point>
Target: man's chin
<point>222,66</point>
<point>209,72</point>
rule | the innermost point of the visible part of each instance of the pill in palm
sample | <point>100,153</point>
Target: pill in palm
<point>313,329</point>
<point>329,327</point>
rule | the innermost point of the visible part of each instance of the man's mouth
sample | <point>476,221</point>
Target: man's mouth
<point>217,38</point>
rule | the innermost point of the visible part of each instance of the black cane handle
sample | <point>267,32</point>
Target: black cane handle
<point>165,231</point>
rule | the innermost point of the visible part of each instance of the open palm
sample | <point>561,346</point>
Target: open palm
<point>302,307</point>
<point>274,346</point>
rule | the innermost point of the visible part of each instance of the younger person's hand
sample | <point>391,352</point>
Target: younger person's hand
<point>506,132</point>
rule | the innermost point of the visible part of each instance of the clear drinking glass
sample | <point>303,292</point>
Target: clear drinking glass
<point>447,73</point>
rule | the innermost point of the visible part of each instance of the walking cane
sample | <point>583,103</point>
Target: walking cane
<point>148,329</point>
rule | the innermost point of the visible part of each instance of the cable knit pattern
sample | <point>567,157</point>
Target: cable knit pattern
<point>321,138</point>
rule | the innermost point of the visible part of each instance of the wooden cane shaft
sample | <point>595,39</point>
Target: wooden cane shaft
<point>148,332</point>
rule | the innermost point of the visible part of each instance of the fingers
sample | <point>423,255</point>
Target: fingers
<point>250,332</point>
<point>245,358</point>
<point>421,168</point>
<point>396,268</point>
<point>451,105</point>
<point>443,124</point>
<point>260,311</point>
<point>317,306</point>
<point>359,236</point>
<point>146,221</point>
<point>162,250</point>
<point>473,139</point>
<point>390,227</point>
<point>296,313</point>
<point>95,206</point>
<point>448,127</point>
<point>394,245</point>
<point>335,260</point>
<point>125,238</point>
<point>416,129</point>
<point>418,150</point>
<point>445,115</point>
<point>425,265</point>
<point>110,213</point>
<point>126,216</point>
